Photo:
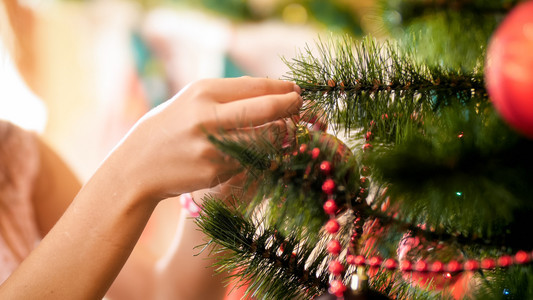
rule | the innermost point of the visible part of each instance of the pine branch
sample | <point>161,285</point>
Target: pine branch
<point>273,266</point>
<point>453,33</point>
<point>505,284</point>
<point>293,181</point>
<point>465,172</point>
<point>355,82</point>
<point>420,8</point>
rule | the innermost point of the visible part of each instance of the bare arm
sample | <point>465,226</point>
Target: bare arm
<point>164,155</point>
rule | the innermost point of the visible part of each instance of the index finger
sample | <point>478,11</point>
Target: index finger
<point>225,90</point>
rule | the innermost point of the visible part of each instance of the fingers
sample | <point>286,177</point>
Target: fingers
<point>232,89</point>
<point>258,110</point>
<point>268,135</point>
<point>315,116</point>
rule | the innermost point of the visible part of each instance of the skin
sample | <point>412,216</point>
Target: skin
<point>165,154</point>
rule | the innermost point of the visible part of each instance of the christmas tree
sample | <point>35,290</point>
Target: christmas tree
<point>421,187</point>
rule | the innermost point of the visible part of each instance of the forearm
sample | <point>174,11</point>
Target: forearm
<point>85,250</point>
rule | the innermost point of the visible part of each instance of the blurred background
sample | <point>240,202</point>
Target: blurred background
<point>81,73</point>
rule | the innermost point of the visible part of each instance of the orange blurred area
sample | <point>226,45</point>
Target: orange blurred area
<point>97,66</point>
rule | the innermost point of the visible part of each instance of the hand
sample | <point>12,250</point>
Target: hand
<point>167,152</point>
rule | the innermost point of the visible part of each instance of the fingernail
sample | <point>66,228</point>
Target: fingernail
<point>297,89</point>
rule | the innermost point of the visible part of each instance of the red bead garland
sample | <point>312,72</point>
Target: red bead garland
<point>334,247</point>
<point>520,258</point>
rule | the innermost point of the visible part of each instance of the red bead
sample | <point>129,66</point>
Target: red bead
<point>334,247</point>
<point>406,265</point>
<point>350,259</point>
<point>488,263</point>
<point>505,261</point>
<point>375,261</point>
<point>332,226</point>
<point>368,135</point>
<point>471,265</point>
<point>337,288</point>
<point>359,260</point>
<point>335,267</point>
<point>315,153</point>
<point>521,257</point>
<point>421,266</point>
<point>330,207</point>
<point>303,148</point>
<point>453,266</point>
<point>437,267</point>
<point>390,264</point>
<point>328,186</point>
<point>325,167</point>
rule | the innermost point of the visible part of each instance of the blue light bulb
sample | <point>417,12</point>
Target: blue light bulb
<point>506,291</point>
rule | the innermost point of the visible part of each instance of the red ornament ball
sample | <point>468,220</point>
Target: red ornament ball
<point>509,68</point>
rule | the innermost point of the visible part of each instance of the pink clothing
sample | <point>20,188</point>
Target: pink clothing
<point>19,163</point>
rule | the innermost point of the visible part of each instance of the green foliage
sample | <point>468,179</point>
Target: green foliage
<point>274,266</point>
<point>512,284</point>
<point>464,171</point>
<point>450,33</point>
<point>359,83</point>
<point>444,168</point>
<point>291,180</point>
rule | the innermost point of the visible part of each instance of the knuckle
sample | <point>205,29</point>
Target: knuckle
<point>199,89</point>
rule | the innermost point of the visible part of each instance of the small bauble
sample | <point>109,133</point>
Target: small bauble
<point>509,68</point>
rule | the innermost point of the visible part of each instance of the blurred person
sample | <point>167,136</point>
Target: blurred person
<point>63,240</point>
